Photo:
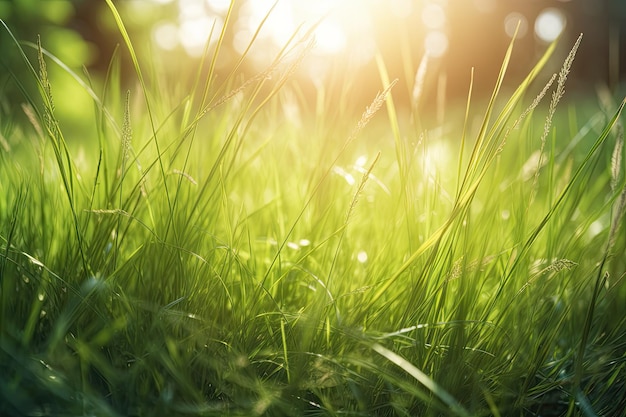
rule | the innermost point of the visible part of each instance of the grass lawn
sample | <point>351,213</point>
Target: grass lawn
<point>237,250</point>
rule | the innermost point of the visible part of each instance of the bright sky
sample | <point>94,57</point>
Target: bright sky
<point>344,23</point>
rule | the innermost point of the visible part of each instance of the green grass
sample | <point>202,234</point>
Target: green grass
<point>204,254</point>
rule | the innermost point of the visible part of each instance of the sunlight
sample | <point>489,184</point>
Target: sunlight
<point>348,31</point>
<point>343,27</point>
<point>401,8</point>
<point>340,23</point>
<point>193,26</point>
<point>215,232</point>
<point>219,6</point>
<point>437,158</point>
<point>330,37</point>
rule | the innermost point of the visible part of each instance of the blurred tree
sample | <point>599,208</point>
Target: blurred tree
<point>52,20</point>
<point>477,41</point>
<point>81,32</point>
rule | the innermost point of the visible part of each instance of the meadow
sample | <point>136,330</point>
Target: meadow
<point>235,249</point>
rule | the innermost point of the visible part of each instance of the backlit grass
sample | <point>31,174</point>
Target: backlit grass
<point>207,252</point>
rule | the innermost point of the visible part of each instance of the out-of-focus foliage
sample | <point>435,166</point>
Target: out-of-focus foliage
<point>56,23</point>
<point>82,33</point>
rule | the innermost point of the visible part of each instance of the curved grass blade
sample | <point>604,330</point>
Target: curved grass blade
<point>423,379</point>
<point>131,49</point>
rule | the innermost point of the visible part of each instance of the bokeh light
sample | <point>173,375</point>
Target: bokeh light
<point>436,43</point>
<point>194,33</point>
<point>433,16</point>
<point>166,35</point>
<point>549,24</point>
<point>349,33</point>
<point>345,29</point>
<point>192,28</point>
<point>511,21</point>
<point>339,24</point>
<point>330,37</point>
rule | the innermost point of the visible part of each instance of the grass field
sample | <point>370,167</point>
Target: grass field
<point>209,253</point>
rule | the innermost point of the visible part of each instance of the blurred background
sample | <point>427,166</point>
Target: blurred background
<point>457,35</point>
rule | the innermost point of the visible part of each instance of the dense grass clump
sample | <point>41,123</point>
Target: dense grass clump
<point>206,254</point>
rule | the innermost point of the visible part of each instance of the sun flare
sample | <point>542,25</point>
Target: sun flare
<point>337,23</point>
<point>340,27</point>
<point>348,33</point>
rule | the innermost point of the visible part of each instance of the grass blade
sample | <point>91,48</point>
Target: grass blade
<point>423,379</point>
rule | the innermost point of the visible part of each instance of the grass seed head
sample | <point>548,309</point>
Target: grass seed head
<point>616,157</point>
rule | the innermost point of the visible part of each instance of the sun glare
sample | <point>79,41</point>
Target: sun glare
<point>219,6</point>
<point>339,23</point>
<point>330,37</point>
<point>342,27</point>
<point>193,27</point>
